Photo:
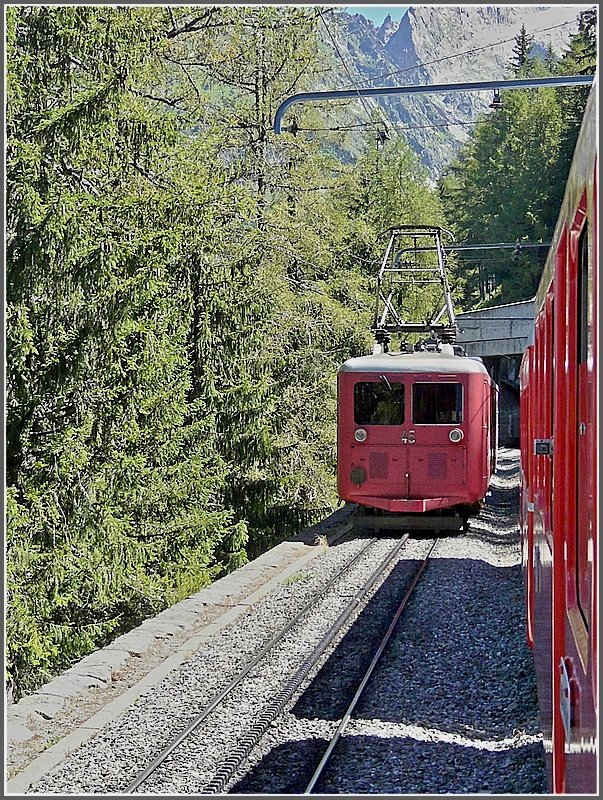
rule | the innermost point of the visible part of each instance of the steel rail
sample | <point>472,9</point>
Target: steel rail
<point>234,760</point>
<point>367,675</point>
<point>240,676</point>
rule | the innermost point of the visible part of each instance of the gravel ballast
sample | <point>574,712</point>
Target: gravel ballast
<point>451,709</point>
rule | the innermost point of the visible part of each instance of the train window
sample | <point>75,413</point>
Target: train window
<point>437,403</point>
<point>379,403</point>
<point>583,465</point>
<point>583,292</point>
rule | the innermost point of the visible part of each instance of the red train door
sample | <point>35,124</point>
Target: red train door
<point>584,469</point>
<point>435,466</point>
<point>575,701</point>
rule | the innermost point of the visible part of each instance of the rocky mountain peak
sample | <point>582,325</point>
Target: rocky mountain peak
<point>447,44</point>
<point>440,36</point>
<point>387,29</point>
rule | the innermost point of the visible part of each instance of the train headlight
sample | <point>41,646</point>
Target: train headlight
<point>358,475</point>
<point>455,435</point>
<point>360,435</point>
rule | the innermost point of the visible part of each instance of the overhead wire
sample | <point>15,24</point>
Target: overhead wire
<point>399,125</point>
<point>457,55</point>
<point>372,79</point>
<point>348,72</point>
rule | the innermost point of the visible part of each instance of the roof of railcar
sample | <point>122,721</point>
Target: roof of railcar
<point>441,363</point>
<point>580,176</point>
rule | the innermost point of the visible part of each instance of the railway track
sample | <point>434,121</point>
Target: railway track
<point>434,718</point>
<point>264,716</point>
<point>331,749</point>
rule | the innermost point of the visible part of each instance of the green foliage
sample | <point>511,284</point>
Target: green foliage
<point>507,183</point>
<point>181,289</point>
<point>389,188</point>
<point>114,472</point>
<point>579,59</point>
<point>504,186</point>
<point>521,63</point>
<point>248,60</point>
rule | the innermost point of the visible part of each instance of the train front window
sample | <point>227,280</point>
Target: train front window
<point>437,403</point>
<point>379,403</point>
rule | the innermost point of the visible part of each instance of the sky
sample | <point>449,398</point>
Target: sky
<point>378,13</point>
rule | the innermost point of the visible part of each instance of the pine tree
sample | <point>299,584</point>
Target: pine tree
<point>113,470</point>
<point>510,179</point>
<point>579,59</point>
<point>503,187</point>
<point>250,59</point>
<point>181,289</point>
<point>551,59</point>
<point>521,62</point>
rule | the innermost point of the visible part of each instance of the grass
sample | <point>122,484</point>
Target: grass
<point>298,577</point>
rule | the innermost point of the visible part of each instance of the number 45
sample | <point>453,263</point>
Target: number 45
<point>408,438</point>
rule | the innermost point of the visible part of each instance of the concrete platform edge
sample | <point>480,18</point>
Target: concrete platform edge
<point>271,559</point>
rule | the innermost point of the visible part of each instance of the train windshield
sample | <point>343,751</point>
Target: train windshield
<point>437,403</point>
<point>379,403</point>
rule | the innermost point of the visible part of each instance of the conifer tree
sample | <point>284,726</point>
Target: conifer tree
<point>509,180</point>
<point>580,58</point>
<point>551,58</point>
<point>521,62</point>
<point>113,470</point>
<point>503,188</point>
<point>181,289</point>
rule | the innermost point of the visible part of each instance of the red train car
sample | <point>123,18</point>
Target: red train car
<point>558,405</point>
<point>416,432</point>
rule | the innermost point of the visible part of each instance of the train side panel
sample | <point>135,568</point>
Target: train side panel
<point>526,508</point>
<point>559,479</point>
<point>537,533</point>
<point>577,660</point>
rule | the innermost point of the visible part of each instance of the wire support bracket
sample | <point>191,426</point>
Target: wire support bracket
<point>476,86</point>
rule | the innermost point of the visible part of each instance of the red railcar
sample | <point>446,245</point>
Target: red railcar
<point>559,480</point>
<point>416,432</point>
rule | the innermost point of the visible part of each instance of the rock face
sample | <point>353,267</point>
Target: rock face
<point>439,44</point>
<point>438,34</point>
<point>387,30</point>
